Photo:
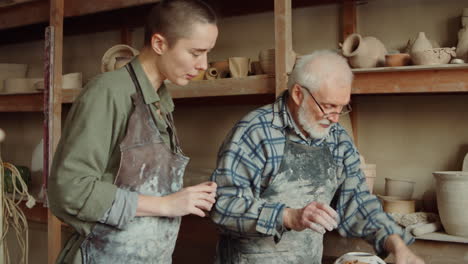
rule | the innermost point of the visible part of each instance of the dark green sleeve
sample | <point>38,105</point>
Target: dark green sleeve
<point>80,184</point>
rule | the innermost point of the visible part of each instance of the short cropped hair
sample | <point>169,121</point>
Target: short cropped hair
<point>173,19</point>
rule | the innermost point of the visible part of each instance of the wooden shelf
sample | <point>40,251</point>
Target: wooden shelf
<point>258,84</point>
<point>411,79</point>
<point>33,102</point>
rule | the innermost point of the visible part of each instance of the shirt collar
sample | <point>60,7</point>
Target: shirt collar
<point>149,93</point>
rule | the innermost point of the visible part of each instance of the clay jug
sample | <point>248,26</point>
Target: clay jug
<point>364,52</point>
<point>421,43</point>
<point>462,47</point>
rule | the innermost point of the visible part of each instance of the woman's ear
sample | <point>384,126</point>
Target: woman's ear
<point>159,44</point>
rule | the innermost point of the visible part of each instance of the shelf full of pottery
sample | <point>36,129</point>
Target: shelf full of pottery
<point>14,80</point>
<point>420,52</point>
<point>233,76</point>
<point>442,216</point>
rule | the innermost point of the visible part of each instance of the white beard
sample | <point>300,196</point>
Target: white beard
<point>311,126</point>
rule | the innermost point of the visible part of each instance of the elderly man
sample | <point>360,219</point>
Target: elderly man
<point>283,165</point>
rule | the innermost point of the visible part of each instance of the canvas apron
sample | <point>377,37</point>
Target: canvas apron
<point>306,174</point>
<point>149,167</point>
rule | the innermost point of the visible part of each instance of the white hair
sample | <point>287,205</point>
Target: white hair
<point>314,69</point>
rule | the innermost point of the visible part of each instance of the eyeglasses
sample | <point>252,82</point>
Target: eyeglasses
<point>345,110</point>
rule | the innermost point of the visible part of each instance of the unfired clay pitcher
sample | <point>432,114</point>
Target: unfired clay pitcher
<point>462,47</point>
<point>421,43</point>
<point>364,52</point>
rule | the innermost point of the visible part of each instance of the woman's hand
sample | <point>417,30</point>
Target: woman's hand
<point>191,200</point>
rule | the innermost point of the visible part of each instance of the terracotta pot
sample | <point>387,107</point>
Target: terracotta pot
<point>364,52</point>
<point>398,59</point>
<point>433,56</point>
<point>452,201</point>
<point>399,188</point>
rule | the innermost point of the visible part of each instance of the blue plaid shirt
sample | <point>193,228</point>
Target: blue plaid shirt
<point>250,158</point>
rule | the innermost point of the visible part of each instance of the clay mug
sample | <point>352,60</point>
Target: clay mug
<point>239,66</point>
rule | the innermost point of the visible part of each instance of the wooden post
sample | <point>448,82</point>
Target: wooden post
<point>126,35</point>
<point>54,113</point>
<point>2,254</point>
<point>284,54</point>
<point>349,18</point>
<point>349,27</point>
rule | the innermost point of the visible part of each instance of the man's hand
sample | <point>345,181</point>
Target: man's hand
<point>316,216</point>
<point>403,255</point>
<point>191,200</point>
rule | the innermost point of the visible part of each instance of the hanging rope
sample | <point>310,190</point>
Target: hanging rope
<point>12,214</point>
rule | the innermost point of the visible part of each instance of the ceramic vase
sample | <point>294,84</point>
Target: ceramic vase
<point>452,201</point>
<point>421,43</point>
<point>239,66</point>
<point>462,46</point>
<point>364,52</point>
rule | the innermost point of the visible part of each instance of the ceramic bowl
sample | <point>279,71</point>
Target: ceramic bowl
<point>399,188</point>
<point>359,257</point>
<point>433,56</point>
<point>392,204</point>
<point>397,59</point>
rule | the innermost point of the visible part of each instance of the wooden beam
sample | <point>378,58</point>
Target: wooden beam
<point>424,81</point>
<point>349,18</point>
<point>257,84</point>
<point>53,107</point>
<point>38,11</point>
<point>284,54</point>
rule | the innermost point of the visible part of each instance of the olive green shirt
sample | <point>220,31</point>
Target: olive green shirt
<point>80,186</point>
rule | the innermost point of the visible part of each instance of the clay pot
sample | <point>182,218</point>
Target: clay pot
<point>399,188</point>
<point>256,68</point>
<point>200,76</point>
<point>359,257</point>
<point>393,204</point>
<point>421,43</point>
<point>222,67</point>
<point>433,56</point>
<point>398,59</point>
<point>239,66</point>
<point>117,56</point>
<point>369,171</point>
<point>267,61</point>
<point>20,85</point>
<point>452,201</point>
<point>10,70</point>
<point>364,52</point>
<point>462,46</point>
<point>211,74</point>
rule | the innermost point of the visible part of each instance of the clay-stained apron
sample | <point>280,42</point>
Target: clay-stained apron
<point>148,167</point>
<point>306,174</point>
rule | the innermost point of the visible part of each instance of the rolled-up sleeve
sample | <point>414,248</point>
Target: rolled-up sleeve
<point>79,184</point>
<point>239,208</point>
<point>361,213</point>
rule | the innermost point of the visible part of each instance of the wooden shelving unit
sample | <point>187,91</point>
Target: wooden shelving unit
<point>33,102</point>
<point>410,79</point>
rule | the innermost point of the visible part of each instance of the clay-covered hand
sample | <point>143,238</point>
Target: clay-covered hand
<point>316,216</point>
<point>402,254</point>
<point>191,200</point>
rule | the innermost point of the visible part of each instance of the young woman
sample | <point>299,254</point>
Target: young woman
<point>117,172</point>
